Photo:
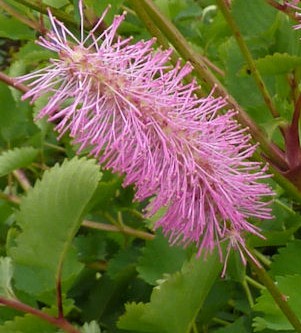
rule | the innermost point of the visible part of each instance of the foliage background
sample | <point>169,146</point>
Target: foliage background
<point>76,247</point>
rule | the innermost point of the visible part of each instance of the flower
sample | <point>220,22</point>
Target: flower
<point>293,4</point>
<point>130,109</point>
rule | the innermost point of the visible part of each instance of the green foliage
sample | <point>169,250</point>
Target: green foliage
<point>158,259</point>
<point>272,317</point>
<point>17,158</point>
<point>178,297</point>
<point>27,324</point>
<point>12,28</point>
<point>91,327</point>
<point>116,282</point>
<point>277,63</point>
<point>58,201</point>
<point>284,263</point>
<point>6,274</point>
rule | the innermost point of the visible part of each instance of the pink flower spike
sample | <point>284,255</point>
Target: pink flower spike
<point>129,108</point>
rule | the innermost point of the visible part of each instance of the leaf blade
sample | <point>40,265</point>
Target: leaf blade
<point>52,211</point>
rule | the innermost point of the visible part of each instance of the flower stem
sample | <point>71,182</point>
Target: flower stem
<point>277,296</point>
<point>248,57</point>
<point>58,322</point>
<point>203,73</point>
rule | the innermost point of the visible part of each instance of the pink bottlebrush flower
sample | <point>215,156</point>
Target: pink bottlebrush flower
<point>130,109</point>
<point>296,9</point>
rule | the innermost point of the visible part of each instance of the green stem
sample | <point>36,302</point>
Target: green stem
<point>194,327</point>
<point>278,297</point>
<point>58,322</point>
<point>254,283</point>
<point>113,228</point>
<point>248,57</point>
<point>203,73</point>
<point>22,179</point>
<point>10,10</point>
<point>10,198</point>
<point>262,258</point>
<point>41,8</point>
<point>248,293</point>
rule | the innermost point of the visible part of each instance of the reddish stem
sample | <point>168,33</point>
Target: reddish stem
<point>12,82</point>
<point>292,140</point>
<point>283,8</point>
<point>58,322</point>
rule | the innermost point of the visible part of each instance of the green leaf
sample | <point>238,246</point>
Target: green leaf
<point>6,274</point>
<point>91,327</point>
<point>27,324</point>
<point>50,215</point>
<point>91,247</point>
<point>159,258</point>
<point>17,158</point>
<point>254,17</point>
<point>12,28</point>
<point>176,302</point>
<point>123,260</point>
<point>277,63</point>
<point>56,3</point>
<point>241,325</point>
<point>271,316</point>
<point>284,263</point>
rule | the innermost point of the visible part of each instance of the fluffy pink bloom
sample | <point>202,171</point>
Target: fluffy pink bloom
<point>130,109</point>
<point>297,10</point>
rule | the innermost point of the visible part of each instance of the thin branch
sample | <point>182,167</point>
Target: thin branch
<point>278,297</point>
<point>12,82</point>
<point>58,322</point>
<point>22,179</point>
<point>59,14</point>
<point>283,8</point>
<point>254,283</point>
<point>248,57</point>
<point>59,297</point>
<point>292,139</point>
<point>113,228</point>
<point>10,198</point>
<point>10,10</point>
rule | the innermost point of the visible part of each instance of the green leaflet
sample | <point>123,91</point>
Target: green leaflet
<point>27,324</point>
<point>284,263</point>
<point>12,28</point>
<point>49,217</point>
<point>176,301</point>
<point>159,258</point>
<point>91,327</point>
<point>271,316</point>
<point>16,158</point>
<point>276,64</point>
<point>257,19</point>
